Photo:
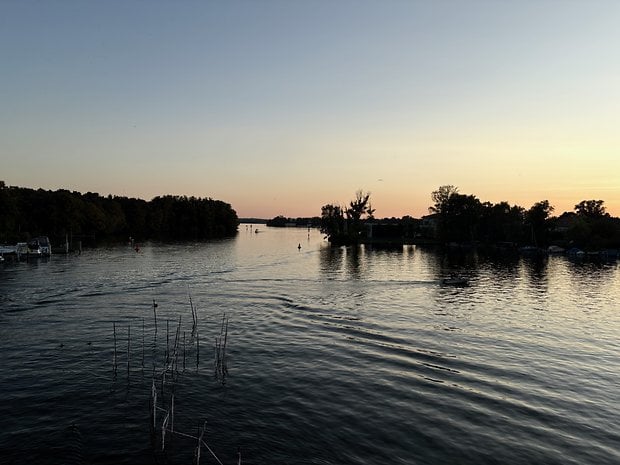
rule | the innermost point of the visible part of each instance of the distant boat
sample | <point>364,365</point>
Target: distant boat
<point>8,249</point>
<point>455,281</point>
<point>37,247</point>
<point>530,250</point>
<point>555,250</point>
<point>575,252</point>
<point>29,249</point>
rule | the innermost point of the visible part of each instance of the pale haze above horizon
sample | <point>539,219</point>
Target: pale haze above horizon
<point>280,107</point>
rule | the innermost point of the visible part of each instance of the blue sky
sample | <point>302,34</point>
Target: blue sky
<point>280,107</point>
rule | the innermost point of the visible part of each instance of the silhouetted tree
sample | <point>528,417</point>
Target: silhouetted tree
<point>332,222</point>
<point>441,198</point>
<point>594,228</point>
<point>591,208</point>
<point>458,215</point>
<point>537,219</point>
<point>459,218</point>
<point>341,230</point>
<point>8,213</point>
<point>501,222</point>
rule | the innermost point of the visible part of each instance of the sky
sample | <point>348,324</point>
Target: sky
<point>280,107</point>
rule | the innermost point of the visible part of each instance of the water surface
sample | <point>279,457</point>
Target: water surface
<point>334,356</point>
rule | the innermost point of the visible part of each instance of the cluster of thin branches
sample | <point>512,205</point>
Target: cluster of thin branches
<point>162,400</point>
<point>167,428</point>
<point>172,354</point>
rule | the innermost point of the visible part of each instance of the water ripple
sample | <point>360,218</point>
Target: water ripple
<point>334,356</point>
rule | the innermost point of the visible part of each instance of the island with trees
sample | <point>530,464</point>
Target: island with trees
<point>282,221</point>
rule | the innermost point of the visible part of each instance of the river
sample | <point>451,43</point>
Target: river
<point>332,356</point>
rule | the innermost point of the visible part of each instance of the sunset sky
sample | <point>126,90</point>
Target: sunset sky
<point>279,107</point>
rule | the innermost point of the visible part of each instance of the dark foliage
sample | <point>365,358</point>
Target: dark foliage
<point>464,219</point>
<point>346,226</point>
<point>28,212</point>
<point>281,221</point>
<point>460,219</point>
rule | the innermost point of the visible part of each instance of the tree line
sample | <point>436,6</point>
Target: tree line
<point>464,219</point>
<point>282,221</point>
<point>25,213</point>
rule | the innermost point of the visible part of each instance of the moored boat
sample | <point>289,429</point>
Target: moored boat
<point>36,247</point>
<point>455,281</point>
<point>43,244</point>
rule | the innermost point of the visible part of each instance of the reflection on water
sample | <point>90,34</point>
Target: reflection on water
<point>335,355</point>
<point>331,261</point>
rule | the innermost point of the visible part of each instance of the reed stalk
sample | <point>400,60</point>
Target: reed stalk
<point>197,349</point>
<point>194,310</point>
<point>163,431</point>
<point>167,428</point>
<point>216,350</point>
<point>114,359</point>
<point>155,314</point>
<point>220,350</point>
<point>175,351</point>
<point>128,348</point>
<point>154,402</point>
<point>224,369</point>
<point>208,448</point>
<point>172,413</point>
<point>142,342</point>
<point>167,343</point>
<point>223,320</point>
<point>197,451</point>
